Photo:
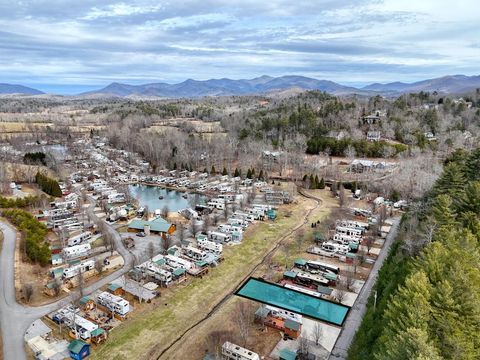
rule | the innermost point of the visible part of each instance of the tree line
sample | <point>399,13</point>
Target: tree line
<point>342,147</point>
<point>428,290</point>
<point>33,234</point>
<point>48,185</point>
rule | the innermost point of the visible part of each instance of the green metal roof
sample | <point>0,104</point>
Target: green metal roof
<point>295,301</point>
<point>324,290</point>
<point>157,225</point>
<point>97,332</point>
<point>84,300</point>
<point>286,354</point>
<point>178,272</point>
<point>293,325</point>
<point>331,277</point>
<point>290,274</point>
<point>160,262</point>
<point>76,346</point>
<point>113,287</point>
<point>201,263</point>
<point>301,262</point>
<point>57,257</point>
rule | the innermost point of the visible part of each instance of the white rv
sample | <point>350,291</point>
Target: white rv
<point>235,352</point>
<point>345,239</point>
<point>195,254</point>
<point>72,271</point>
<point>76,251</point>
<point>79,239</point>
<point>219,236</point>
<point>335,248</point>
<point>210,246</point>
<point>114,303</point>
<point>348,231</point>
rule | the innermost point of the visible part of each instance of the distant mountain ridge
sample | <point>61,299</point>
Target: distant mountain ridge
<point>267,84</point>
<point>18,89</point>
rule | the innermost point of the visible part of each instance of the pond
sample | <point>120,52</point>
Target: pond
<point>155,197</point>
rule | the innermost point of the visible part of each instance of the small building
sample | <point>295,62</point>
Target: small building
<point>115,289</point>
<point>373,136</point>
<point>337,135</point>
<point>57,259</point>
<point>157,226</point>
<point>86,303</point>
<point>98,336</point>
<point>78,349</point>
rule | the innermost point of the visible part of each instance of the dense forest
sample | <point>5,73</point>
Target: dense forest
<point>428,291</point>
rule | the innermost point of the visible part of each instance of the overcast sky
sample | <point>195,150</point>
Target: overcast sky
<point>71,46</point>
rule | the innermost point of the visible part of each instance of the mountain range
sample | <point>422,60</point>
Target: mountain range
<point>267,84</point>
<point>18,89</point>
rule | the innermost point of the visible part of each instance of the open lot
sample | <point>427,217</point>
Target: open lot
<point>149,332</point>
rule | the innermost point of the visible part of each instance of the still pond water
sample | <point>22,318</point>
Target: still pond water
<point>155,197</point>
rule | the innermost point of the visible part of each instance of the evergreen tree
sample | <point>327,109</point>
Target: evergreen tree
<point>205,171</point>
<point>321,185</point>
<point>213,171</point>
<point>249,174</point>
<point>260,176</point>
<point>224,172</point>
<point>236,173</point>
<point>317,182</point>
<point>312,181</point>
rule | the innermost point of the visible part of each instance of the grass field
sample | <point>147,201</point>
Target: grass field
<point>223,320</point>
<point>148,332</point>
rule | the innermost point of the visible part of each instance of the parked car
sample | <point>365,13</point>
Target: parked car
<point>141,234</point>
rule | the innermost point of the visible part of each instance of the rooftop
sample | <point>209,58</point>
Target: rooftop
<point>157,225</point>
<point>295,301</point>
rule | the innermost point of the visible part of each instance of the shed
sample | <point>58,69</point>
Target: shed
<point>57,259</point>
<point>115,289</point>
<point>98,335</point>
<point>160,262</point>
<point>292,328</point>
<point>201,264</point>
<point>300,263</point>
<point>290,274</point>
<point>287,354</point>
<point>78,349</point>
<point>86,303</point>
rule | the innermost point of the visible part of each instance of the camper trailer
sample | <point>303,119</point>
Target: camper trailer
<point>345,239</point>
<point>219,236</point>
<point>210,246</point>
<point>156,272</point>
<point>114,303</point>
<point>353,224</point>
<point>323,267</point>
<point>195,254</point>
<point>349,231</point>
<point>75,322</point>
<point>335,248</point>
<point>176,262</point>
<point>76,251</point>
<point>79,239</point>
<point>235,352</point>
<point>73,270</point>
<point>229,229</point>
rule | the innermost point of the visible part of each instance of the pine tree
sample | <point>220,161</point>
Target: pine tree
<point>321,185</point>
<point>312,182</point>
<point>213,171</point>
<point>249,174</point>
<point>442,210</point>
<point>205,171</point>
<point>236,173</point>
<point>224,172</point>
<point>260,176</point>
<point>317,182</point>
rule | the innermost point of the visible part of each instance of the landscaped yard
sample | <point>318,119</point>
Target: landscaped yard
<point>147,333</point>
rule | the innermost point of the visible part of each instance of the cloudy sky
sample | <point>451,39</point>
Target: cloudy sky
<point>71,46</point>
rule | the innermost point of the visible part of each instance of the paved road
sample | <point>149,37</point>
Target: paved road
<point>16,318</point>
<point>359,309</point>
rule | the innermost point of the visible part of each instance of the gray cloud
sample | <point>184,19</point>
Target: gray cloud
<point>91,42</point>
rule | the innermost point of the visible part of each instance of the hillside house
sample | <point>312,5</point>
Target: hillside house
<point>373,136</point>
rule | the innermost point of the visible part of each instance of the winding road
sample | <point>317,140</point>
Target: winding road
<point>16,318</point>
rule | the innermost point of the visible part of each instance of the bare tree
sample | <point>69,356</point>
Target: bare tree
<point>193,227</point>
<point>340,294</point>
<point>27,290</point>
<point>181,232</point>
<point>151,250</point>
<point>206,223</point>
<point>349,280</point>
<point>243,320</point>
<point>99,265</point>
<point>80,283</point>
<point>216,219</point>
<point>303,348</point>
<point>165,211</point>
<point>342,196</point>
<point>317,333</point>
<point>226,211</point>
<point>57,287</point>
